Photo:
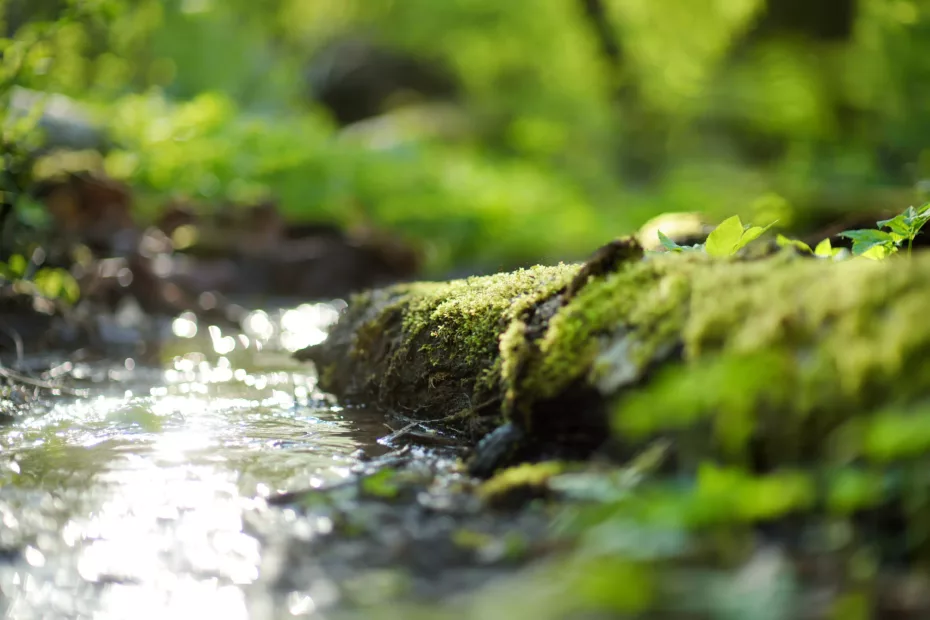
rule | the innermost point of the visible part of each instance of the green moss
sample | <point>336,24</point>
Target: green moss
<point>789,391</point>
<point>640,306</point>
<point>514,352</point>
<point>528,478</point>
<point>743,359</point>
<point>472,313</point>
<point>782,351</point>
<point>430,349</point>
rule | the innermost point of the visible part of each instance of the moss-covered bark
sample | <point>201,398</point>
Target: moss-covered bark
<point>772,360</point>
<point>431,350</point>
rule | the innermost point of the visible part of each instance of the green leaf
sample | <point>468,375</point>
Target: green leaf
<point>56,283</point>
<point>876,252</point>
<point>49,282</point>
<point>784,242</point>
<point>866,239</point>
<point>751,234</point>
<point>907,224</point>
<point>724,240</point>
<point>381,484</point>
<point>17,265</point>
<point>901,224</point>
<point>867,235</point>
<point>919,222</point>
<point>825,248</point>
<point>668,244</point>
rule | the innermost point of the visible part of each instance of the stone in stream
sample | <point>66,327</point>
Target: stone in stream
<point>766,361</point>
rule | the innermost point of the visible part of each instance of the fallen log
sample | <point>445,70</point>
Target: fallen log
<point>763,362</point>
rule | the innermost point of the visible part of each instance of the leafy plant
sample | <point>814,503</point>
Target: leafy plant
<point>824,248</point>
<point>731,236</point>
<point>877,244</point>
<point>50,282</point>
<point>727,239</point>
<point>383,484</point>
<point>671,246</point>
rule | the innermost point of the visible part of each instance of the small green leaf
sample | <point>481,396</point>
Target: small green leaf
<point>867,239</point>
<point>17,265</point>
<point>70,289</point>
<point>900,225</point>
<point>49,282</point>
<point>56,283</point>
<point>825,248</point>
<point>668,244</point>
<point>381,484</point>
<point>867,235</point>
<point>919,222</point>
<point>784,242</point>
<point>906,225</point>
<point>751,234</point>
<point>724,240</point>
<point>877,251</point>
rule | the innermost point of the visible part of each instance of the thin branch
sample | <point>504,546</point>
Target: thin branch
<point>12,333</point>
<point>44,385</point>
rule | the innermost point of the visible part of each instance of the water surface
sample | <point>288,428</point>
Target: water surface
<point>133,500</point>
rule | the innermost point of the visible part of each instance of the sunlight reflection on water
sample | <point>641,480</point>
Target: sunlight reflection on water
<point>131,503</point>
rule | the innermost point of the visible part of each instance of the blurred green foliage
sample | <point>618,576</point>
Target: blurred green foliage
<point>51,282</point>
<point>578,125</point>
<point>877,243</point>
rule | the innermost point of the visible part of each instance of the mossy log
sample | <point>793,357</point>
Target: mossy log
<point>768,361</point>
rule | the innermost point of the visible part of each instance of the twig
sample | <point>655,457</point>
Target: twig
<point>44,385</point>
<point>389,440</point>
<point>17,342</point>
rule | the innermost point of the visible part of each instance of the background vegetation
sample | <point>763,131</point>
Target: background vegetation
<point>491,133</point>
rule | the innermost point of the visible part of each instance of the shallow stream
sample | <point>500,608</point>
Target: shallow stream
<point>138,496</point>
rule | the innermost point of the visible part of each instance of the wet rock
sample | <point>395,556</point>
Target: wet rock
<point>90,209</point>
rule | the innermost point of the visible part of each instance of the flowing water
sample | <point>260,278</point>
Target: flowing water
<point>133,499</point>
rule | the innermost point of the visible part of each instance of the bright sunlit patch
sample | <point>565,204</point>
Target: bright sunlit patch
<point>221,344</point>
<point>192,7</point>
<point>258,325</point>
<point>34,557</point>
<point>278,399</point>
<point>185,326</point>
<point>300,604</point>
<point>294,320</point>
<point>294,341</point>
<point>165,475</point>
<point>306,325</point>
